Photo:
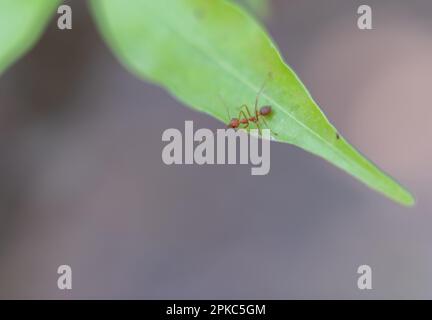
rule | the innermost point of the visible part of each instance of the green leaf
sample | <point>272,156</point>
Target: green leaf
<point>260,8</point>
<point>201,50</point>
<point>21,24</point>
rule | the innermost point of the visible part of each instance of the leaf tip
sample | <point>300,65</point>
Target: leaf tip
<point>405,198</point>
<point>409,200</point>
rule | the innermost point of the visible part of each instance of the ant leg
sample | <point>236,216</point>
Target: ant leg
<point>243,107</point>
<point>259,128</point>
<point>256,101</point>
<point>266,124</point>
<point>247,110</point>
<point>242,114</point>
<point>246,126</point>
<point>256,120</point>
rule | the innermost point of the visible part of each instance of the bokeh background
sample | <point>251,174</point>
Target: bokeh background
<point>82,181</point>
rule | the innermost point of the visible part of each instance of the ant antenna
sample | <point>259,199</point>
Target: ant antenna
<point>269,77</point>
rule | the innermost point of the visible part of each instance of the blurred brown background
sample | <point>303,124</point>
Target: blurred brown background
<point>82,182</point>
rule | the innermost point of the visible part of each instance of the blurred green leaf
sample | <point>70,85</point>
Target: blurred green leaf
<point>201,50</point>
<point>21,24</point>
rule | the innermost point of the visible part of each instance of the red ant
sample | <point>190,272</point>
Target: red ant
<point>246,117</point>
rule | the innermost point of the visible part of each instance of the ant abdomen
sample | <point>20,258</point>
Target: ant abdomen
<point>234,123</point>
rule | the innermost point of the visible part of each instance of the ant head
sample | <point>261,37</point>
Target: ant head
<point>265,110</point>
<point>234,123</point>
